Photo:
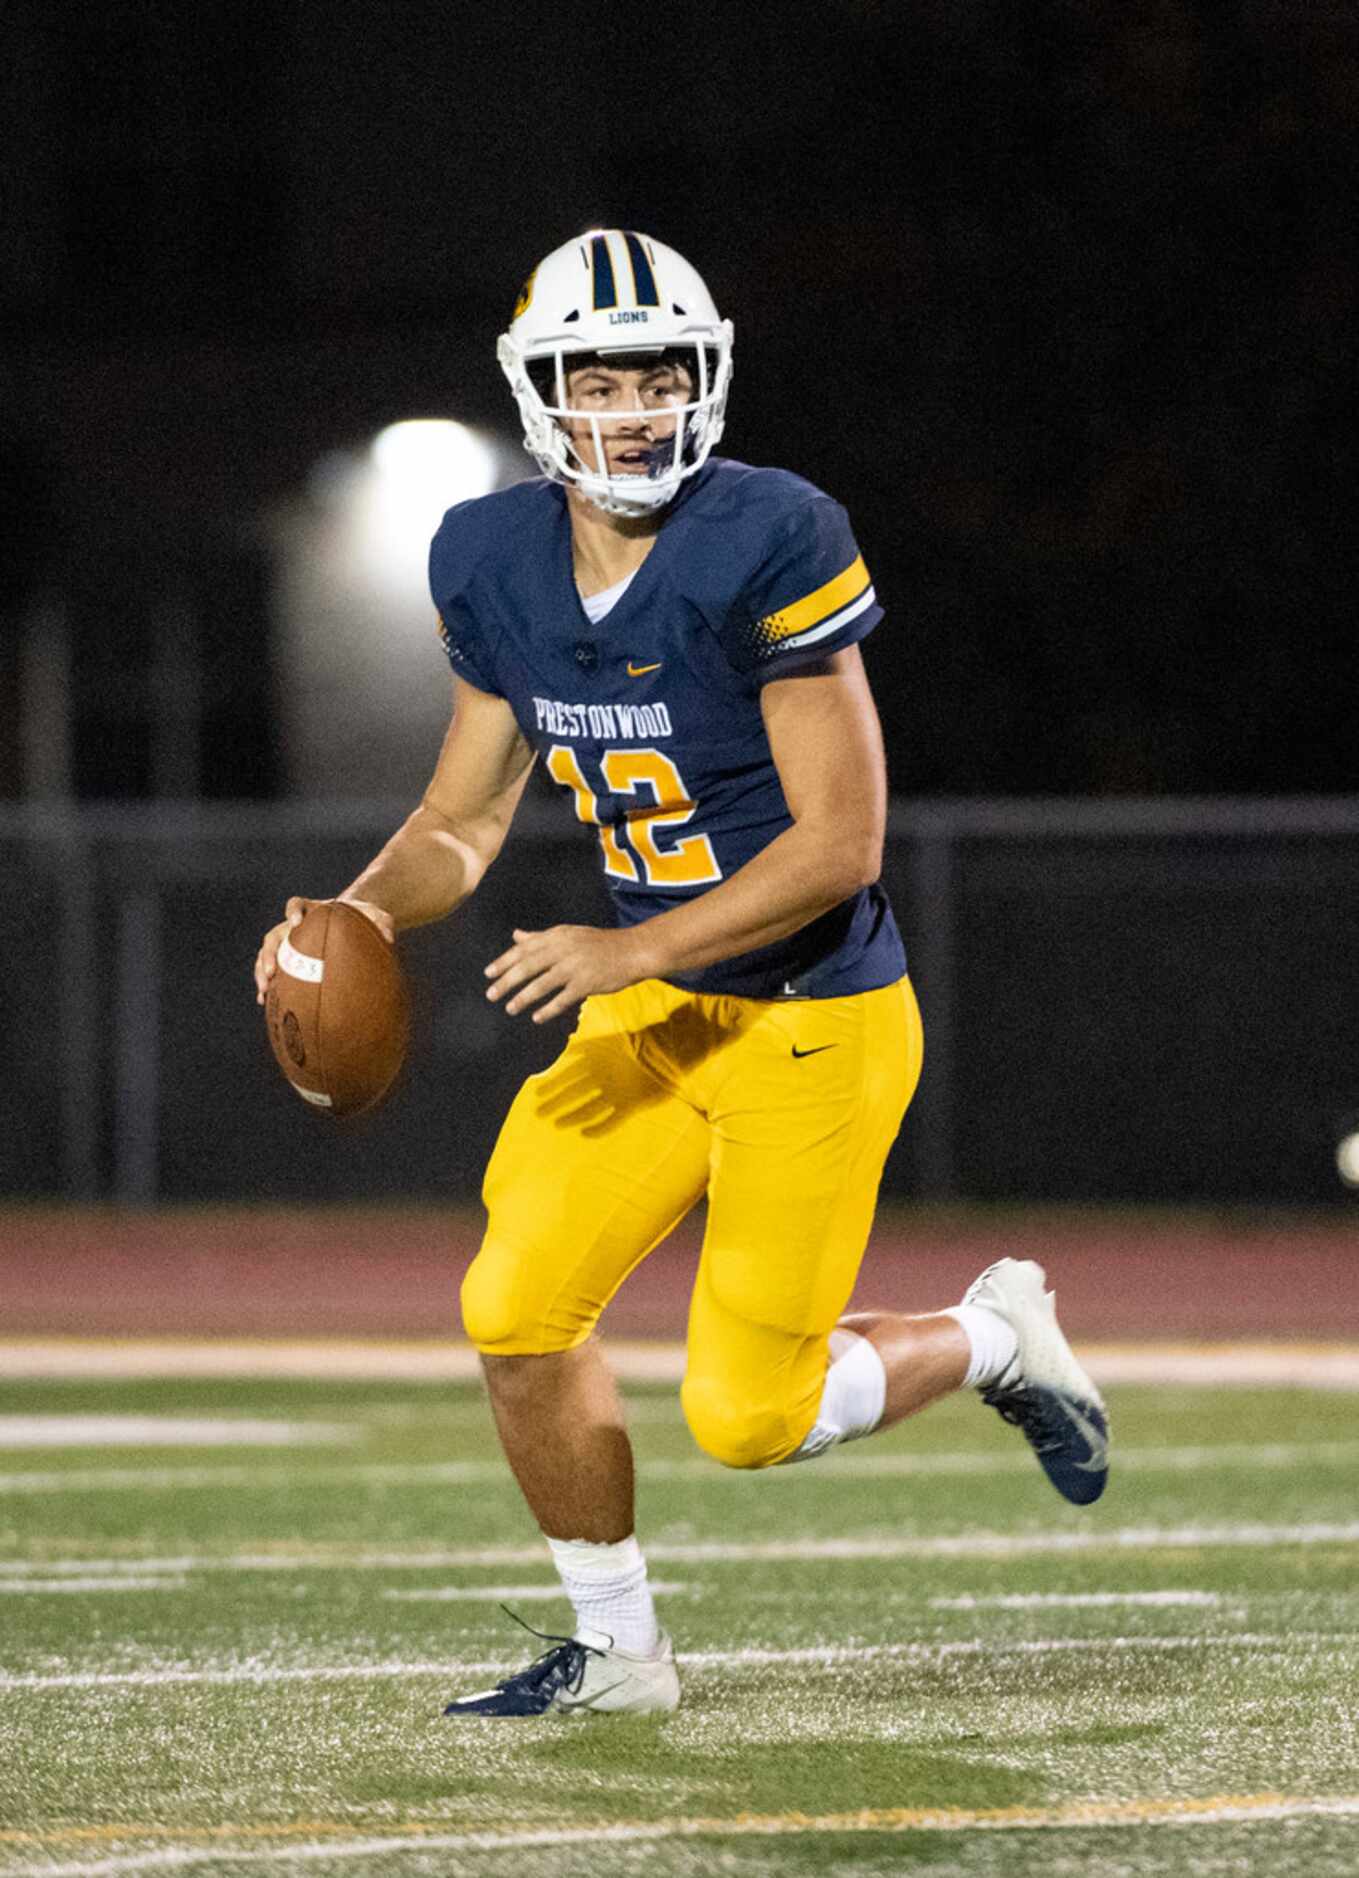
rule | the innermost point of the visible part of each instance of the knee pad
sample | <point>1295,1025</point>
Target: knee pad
<point>505,1314</point>
<point>736,1434</point>
<point>487,1316</point>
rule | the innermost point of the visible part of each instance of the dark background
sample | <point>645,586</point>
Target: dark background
<point>1056,297</point>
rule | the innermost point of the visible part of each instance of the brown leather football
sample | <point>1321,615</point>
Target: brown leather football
<point>337,1011</point>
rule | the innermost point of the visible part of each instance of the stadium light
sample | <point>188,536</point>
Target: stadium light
<point>422,456</point>
<point>361,673</point>
<point>1347,1158</point>
<point>422,466</point>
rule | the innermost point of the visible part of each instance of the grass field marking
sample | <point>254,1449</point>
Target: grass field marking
<point>1010,1545</point>
<point>103,1567</point>
<point>1271,1455</point>
<point>46,1587</point>
<point>827,1655</point>
<point>19,1432</point>
<point>430,1836</point>
<point>1074,1600</point>
<point>983,1544</point>
<point>251,1673</point>
<point>183,1479</point>
<point>541,1593</point>
<point>831,1654</point>
<point>453,1594</point>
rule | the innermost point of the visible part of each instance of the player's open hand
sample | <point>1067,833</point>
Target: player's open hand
<point>564,965</point>
<point>266,960</point>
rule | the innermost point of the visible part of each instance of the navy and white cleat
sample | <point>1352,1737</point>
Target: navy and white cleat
<point>582,1675</point>
<point>1044,1391</point>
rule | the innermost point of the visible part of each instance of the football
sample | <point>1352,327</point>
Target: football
<point>337,1010</point>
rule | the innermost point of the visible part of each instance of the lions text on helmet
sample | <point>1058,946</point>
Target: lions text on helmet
<point>620,367</point>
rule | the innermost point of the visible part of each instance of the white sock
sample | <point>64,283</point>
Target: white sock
<point>608,1591</point>
<point>994,1343</point>
<point>853,1398</point>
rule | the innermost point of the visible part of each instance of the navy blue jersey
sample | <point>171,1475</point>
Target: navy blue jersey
<point>652,717</point>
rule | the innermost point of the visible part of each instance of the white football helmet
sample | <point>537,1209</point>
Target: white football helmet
<point>616,295</point>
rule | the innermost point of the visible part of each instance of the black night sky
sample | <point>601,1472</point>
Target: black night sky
<point>1057,298</point>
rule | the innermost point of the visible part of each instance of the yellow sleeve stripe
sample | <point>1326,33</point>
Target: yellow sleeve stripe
<point>817,606</point>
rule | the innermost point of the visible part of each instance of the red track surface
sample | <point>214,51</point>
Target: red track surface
<point>355,1272</point>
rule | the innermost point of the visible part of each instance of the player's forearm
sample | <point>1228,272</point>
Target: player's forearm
<point>426,870</point>
<point>803,873</point>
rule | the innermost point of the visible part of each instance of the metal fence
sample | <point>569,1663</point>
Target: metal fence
<point>1124,1001</point>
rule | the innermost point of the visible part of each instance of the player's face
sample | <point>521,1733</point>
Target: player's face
<point>631,406</point>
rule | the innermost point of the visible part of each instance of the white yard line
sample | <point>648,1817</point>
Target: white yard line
<point>830,1655</point>
<point>1013,1545</point>
<point>169,1431</point>
<point>1075,1600</point>
<point>1081,1815</point>
<point>499,1594</point>
<point>1008,1459</point>
<point>99,1567</point>
<point>826,1656</point>
<point>722,1552</point>
<point>43,1587</point>
<point>185,1479</point>
<point>250,1674</point>
<point>1294,1362</point>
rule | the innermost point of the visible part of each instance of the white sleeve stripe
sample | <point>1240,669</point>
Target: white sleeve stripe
<point>833,624</point>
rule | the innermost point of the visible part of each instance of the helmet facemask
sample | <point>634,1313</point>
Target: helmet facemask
<point>679,428</point>
<point>685,428</point>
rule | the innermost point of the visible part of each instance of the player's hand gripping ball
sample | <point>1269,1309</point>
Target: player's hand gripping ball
<point>337,1010</point>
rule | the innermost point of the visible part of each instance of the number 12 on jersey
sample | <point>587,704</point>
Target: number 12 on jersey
<point>688,862</point>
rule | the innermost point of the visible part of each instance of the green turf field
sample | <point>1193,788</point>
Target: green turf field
<point>910,1657</point>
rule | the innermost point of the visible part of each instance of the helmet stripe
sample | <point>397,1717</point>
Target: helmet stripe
<point>643,280</point>
<point>606,290</point>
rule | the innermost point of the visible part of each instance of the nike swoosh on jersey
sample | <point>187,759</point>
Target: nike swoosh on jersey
<point>814,1051</point>
<point>636,671</point>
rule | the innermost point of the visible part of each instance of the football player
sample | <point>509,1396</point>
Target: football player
<point>676,637</point>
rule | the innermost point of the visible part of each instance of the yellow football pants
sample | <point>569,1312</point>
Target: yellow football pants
<point>782,1112</point>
